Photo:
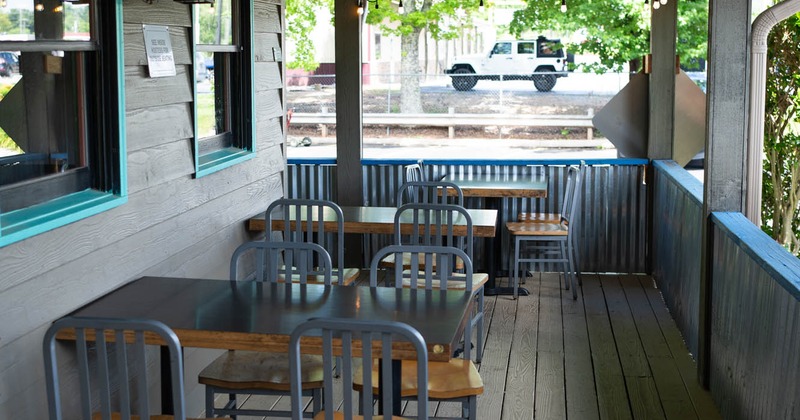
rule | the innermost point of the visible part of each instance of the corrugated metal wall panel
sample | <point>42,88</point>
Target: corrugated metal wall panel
<point>612,231</point>
<point>678,227</point>
<point>755,325</point>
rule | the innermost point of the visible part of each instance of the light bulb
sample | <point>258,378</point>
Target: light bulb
<point>360,10</point>
<point>656,5</point>
<point>480,6</point>
<point>58,9</point>
<point>563,6</point>
<point>400,8</point>
<point>39,7</point>
<point>663,2</point>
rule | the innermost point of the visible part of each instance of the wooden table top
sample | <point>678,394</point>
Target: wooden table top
<point>500,185</point>
<point>259,316</point>
<point>381,220</point>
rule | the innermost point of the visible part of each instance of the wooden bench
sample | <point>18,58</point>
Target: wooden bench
<point>452,120</point>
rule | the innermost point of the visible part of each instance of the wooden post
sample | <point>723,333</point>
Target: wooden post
<point>590,130</point>
<point>322,127</point>
<point>726,141</point>
<point>451,130</point>
<point>662,81</point>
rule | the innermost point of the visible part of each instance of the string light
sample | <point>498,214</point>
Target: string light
<point>2,3</point>
<point>400,8</point>
<point>59,8</point>
<point>480,6</point>
<point>39,7</point>
<point>564,6</point>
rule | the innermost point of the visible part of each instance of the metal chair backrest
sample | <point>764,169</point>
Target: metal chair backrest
<point>373,340</point>
<point>433,224</point>
<point>572,194</point>
<point>415,172</point>
<point>281,261</point>
<point>430,266</point>
<point>295,214</point>
<point>118,358</point>
<point>429,192</point>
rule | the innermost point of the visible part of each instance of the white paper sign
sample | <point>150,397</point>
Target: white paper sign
<point>160,61</point>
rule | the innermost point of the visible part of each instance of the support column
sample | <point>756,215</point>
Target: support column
<point>726,139</point>
<point>349,190</point>
<point>662,81</point>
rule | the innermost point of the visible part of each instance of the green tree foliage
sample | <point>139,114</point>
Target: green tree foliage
<point>301,18</point>
<point>442,19</point>
<point>781,179</point>
<point>616,31</point>
<point>20,21</point>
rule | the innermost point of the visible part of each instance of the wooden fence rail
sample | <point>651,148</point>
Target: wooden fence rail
<point>452,120</point>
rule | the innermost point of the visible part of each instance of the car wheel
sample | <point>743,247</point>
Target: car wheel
<point>544,82</point>
<point>463,83</point>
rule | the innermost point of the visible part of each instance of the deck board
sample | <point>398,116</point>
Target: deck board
<point>614,353</point>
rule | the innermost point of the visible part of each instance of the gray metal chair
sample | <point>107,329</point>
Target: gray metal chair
<point>567,201</point>
<point>434,267</point>
<point>112,372</point>
<point>430,192</point>
<point>434,224</point>
<point>331,238</point>
<point>549,242</point>
<point>264,373</point>
<point>342,336</point>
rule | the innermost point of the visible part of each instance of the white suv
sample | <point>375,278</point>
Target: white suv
<point>541,60</point>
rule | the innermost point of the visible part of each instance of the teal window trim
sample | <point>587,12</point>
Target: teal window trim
<point>221,159</point>
<point>24,223</point>
<point>218,160</point>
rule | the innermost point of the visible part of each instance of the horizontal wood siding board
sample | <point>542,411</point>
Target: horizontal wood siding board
<point>755,328</point>
<point>147,92</point>
<point>168,13</point>
<point>268,76</point>
<point>268,105</point>
<point>156,125</point>
<point>135,54</point>
<point>154,166</point>
<point>267,17</point>
<point>144,210</point>
<point>269,132</point>
<point>265,43</point>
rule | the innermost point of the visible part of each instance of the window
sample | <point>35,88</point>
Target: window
<point>61,114</point>
<point>502,48</point>
<point>526,48</point>
<point>224,114</point>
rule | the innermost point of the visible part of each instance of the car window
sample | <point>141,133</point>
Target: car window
<point>502,48</point>
<point>526,48</point>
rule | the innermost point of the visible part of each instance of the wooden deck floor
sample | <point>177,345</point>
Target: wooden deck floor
<point>615,353</point>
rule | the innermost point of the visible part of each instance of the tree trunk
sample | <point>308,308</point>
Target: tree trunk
<point>410,100</point>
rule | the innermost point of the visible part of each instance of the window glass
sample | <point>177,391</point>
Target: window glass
<point>45,122</point>
<point>526,48</point>
<point>502,48</point>
<point>223,79</point>
<point>60,108</point>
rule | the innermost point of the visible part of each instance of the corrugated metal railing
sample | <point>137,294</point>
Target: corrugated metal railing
<point>678,227</point>
<point>755,324</point>
<point>612,230</point>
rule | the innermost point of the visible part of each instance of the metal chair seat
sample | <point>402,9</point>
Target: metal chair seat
<point>266,373</point>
